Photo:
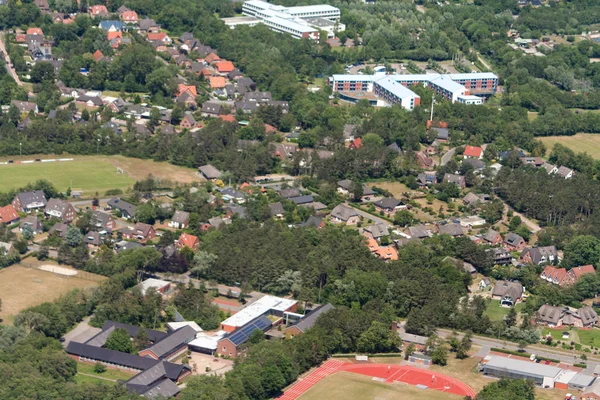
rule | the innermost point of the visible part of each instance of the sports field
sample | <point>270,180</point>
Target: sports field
<point>22,287</point>
<point>90,174</point>
<point>346,385</point>
<point>580,143</point>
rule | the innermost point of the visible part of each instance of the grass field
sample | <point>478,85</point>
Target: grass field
<point>91,173</point>
<point>589,337</point>
<point>346,385</point>
<point>580,143</point>
<point>22,287</point>
<point>497,313</point>
<point>112,374</point>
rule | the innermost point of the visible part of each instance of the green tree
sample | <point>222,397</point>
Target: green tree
<point>42,71</point>
<point>508,389</point>
<point>439,355</point>
<point>141,340</point>
<point>511,317</point>
<point>146,213</point>
<point>357,191</point>
<point>119,340</point>
<point>582,250</point>
<point>410,349</point>
<point>515,222</point>
<point>74,236</point>
<point>379,338</point>
<point>99,368</point>
<point>403,218</point>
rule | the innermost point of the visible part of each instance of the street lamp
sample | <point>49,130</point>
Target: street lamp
<point>98,147</point>
<point>21,150</point>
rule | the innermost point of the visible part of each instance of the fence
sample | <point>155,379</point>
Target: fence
<point>88,276</point>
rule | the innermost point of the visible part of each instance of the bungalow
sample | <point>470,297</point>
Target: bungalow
<point>6,248</point>
<point>389,205</point>
<point>305,200</point>
<point>376,231</point>
<point>211,109</point>
<point>484,283</point>
<point>216,82</point>
<point>230,194</point>
<point>426,178</point>
<point>539,255</point>
<point>535,161</point>
<point>458,180</point>
<point>35,31</point>
<point>188,122</point>
<point>454,230</point>
<point>139,231</point>
<point>60,209</point>
<point>127,209</point>
<point>89,101</point>
<point>565,172</point>
<point>93,239</point>
<point>29,201</point>
<point>25,106</point>
<point>346,186</point>
<point>289,193</point>
<point>180,220</point>
<point>32,223</point>
<point>344,214</point>
<point>418,232</point>
<point>514,242</point>
<point>313,222</point>
<point>209,172</point>
<point>8,215</point>
<point>552,316</point>
<point>276,210</point>
<point>509,293</point>
<point>549,168</point>
<point>492,237</point>
<point>473,152</point>
<point>160,37</point>
<point>148,25</point>
<point>186,240</point>
<point>472,199</point>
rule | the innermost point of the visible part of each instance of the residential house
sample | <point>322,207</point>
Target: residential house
<point>93,239</point>
<point>565,172</point>
<point>442,134</point>
<point>395,148</point>
<point>418,232</point>
<point>452,229</point>
<point>224,67</point>
<point>346,186</point>
<point>139,231</point>
<point>160,37</point>
<point>472,221</point>
<point>60,209</point>
<point>180,220</point>
<point>124,245</point>
<point>509,293</point>
<point>283,151</point>
<point>127,209</point>
<point>276,210</point>
<point>472,199</point>
<point>306,322</point>
<point>344,214</point>
<point>129,17</point>
<point>514,242</point>
<point>216,82</point>
<point>103,221</point>
<point>187,240</point>
<point>313,222</point>
<point>99,11</point>
<point>484,283</point>
<point>550,168</point>
<point>42,5</point>
<point>426,178</point>
<point>188,122</point>
<point>458,180</point>
<point>6,248</point>
<point>187,99</point>
<point>289,193</point>
<point>32,223</point>
<point>539,255</point>
<point>209,172</point>
<point>476,163</point>
<point>492,237</point>
<point>29,201</point>
<point>562,277</point>
<point>8,215</point>
<point>305,200</point>
<point>25,106</point>
<point>473,152</point>
<point>552,316</point>
<point>148,25</point>
<point>376,231</point>
<point>355,144</point>
<point>59,229</point>
<point>423,161</point>
<point>111,26</point>
<point>389,205</point>
<point>500,255</point>
<point>89,101</point>
<point>211,109</point>
<point>230,194</point>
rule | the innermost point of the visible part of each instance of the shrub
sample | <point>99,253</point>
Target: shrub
<point>99,368</point>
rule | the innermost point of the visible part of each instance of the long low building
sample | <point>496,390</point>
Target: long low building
<point>395,89</point>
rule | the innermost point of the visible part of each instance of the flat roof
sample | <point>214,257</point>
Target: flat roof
<point>291,23</point>
<point>259,3</point>
<point>474,75</point>
<point>239,20</point>
<point>152,283</point>
<point>447,83</point>
<point>469,97</point>
<point>355,77</point>
<point>524,367</point>
<point>396,88</point>
<point>320,22</point>
<point>312,9</point>
<point>258,308</point>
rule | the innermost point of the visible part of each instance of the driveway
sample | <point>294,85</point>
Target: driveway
<point>448,156</point>
<point>532,226</point>
<point>81,333</point>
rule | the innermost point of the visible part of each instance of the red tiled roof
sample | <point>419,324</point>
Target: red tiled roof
<point>156,36</point>
<point>114,35</point>
<point>356,143</point>
<point>98,9</point>
<point>556,275</point>
<point>270,128</point>
<point>183,88</point>
<point>8,214</point>
<point>584,269</point>
<point>211,58</point>
<point>98,55</point>
<point>228,118</point>
<point>225,66</point>
<point>473,151</point>
<point>129,15</point>
<point>217,82</point>
<point>35,31</point>
<point>186,240</point>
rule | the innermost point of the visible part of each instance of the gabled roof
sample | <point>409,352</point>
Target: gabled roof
<point>276,209</point>
<point>582,270</point>
<point>173,341</point>
<point>36,196</point>
<point>451,229</point>
<point>309,320</point>
<point>187,240</point>
<point>110,356</point>
<point>514,290</point>
<point>490,235</point>
<point>224,66</point>
<point>181,217</point>
<point>289,193</point>
<point>8,214</point>
<point>388,202</point>
<point>122,205</point>
<point>473,151</point>
<point>418,231</point>
<point>242,334</point>
<point>343,212</point>
<point>513,239</point>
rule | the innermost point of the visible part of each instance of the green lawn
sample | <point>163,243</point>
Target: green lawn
<point>497,313</point>
<point>582,142</point>
<point>589,337</point>
<point>90,379</point>
<point>87,175</point>
<point>557,334</point>
<point>112,374</point>
<point>586,337</point>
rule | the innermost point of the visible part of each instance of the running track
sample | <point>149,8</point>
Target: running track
<point>390,372</point>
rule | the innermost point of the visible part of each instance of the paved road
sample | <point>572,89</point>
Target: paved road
<point>9,67</point>
<point>377,220</point>
<point>562,355</point>
<point>448,156</point>
<point>532,226</point>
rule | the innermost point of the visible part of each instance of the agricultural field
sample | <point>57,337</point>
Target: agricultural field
<point>346,385</point>
<point>579,143</point>
<point>91,174</point>
<point>22,287</point>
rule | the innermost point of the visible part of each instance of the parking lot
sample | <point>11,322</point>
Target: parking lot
<point>216,366</point>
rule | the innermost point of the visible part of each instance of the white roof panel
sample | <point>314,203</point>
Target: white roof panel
<point>258,308</point>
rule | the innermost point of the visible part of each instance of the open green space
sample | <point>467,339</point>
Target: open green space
<point>346,385</point>
<point>91,379</point>
<point>112,374</point>
<point>557,334</point>
<point>579,143</point>
<point>497,313</point>
<point>88,175</point>
<point>589,337</point>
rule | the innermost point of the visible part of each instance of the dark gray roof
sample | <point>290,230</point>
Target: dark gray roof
<point>475,163</point>
<point>110,356</point>
<point>153,335</point>
<point>36,196</point>
<point>181,217</point>
<point>123,245</point>
<point>289,193</point>
<point>442,133</point>
<point>100,219</point>
<point>490,235</point>
<point>232,193</point>
<point>173,341</point>
<point>451,229</point>
<point>313,222</point>
<point>541,254</point>
<point>377,230</point>
<point>242,334</point>
<point>512,239</point>
<point>299,200</point>
<point>388,203</point>
<point>163,388</point>
<point>343,212</point>
<point>276,209</point>
<point>211,107</point>
<point>122,205</point>
<point>210,172</point>
<point>60,228</point>
<point>161,369</point>
<point>309,320</point>
<point>418,231</point>
<point>513,290</point>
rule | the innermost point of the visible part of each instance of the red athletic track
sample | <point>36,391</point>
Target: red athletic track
<point>389,372</point>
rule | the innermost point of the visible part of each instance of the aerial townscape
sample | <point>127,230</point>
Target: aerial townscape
<point>300,199</point>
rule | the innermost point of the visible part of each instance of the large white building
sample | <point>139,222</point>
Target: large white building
<point>300,22</point>
<point>395,89</point>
